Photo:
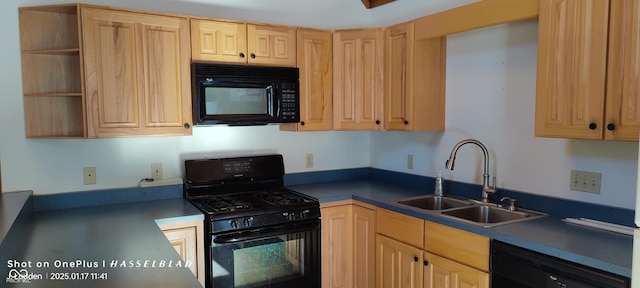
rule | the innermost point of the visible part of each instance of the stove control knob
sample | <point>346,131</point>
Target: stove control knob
<point>247,221</point>
<point>233,223</point>
<point>301,215</point>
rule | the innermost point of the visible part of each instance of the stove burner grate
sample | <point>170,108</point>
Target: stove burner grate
<point>226,204</point>
<point>280,198</point>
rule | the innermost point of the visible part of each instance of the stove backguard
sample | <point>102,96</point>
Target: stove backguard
<point>231,175</point>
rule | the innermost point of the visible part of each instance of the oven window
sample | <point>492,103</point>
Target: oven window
<point>279,261</point>
<point>230,100</point>
<point>260,264</point>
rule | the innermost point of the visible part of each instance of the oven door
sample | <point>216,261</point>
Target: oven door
<point>278,256</point>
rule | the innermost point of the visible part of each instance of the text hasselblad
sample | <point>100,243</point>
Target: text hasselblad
<point>100,264</point>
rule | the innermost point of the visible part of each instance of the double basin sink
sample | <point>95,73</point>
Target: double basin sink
<point>468,211</point>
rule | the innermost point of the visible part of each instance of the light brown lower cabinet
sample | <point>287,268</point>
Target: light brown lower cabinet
<point>365,246</point>
<point>398,265</point>
<point>348,251</point>
<point>454,258</point>
<point>188,240</point>
<point>440,272</point>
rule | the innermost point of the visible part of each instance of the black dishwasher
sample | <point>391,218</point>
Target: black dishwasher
<point>513,266</point>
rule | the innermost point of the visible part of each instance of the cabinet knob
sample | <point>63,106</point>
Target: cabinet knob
<point>611,126</point>
<point>406,122</point>
<point>426,263</point>
<point>593,126</point>
<point>377,122</point>
<point>302,123</point>
<point>187,125</point>
<point>415,259</point>
<point>253,56</point>
<point>241,55</point>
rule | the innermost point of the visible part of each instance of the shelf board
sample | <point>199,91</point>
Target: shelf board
<point>68,51</point>
<point>71,94</point>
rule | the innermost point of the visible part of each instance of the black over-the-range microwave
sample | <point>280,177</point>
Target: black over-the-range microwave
<point>244,95</point>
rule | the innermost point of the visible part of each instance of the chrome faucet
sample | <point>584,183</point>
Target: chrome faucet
<point>486,189</point>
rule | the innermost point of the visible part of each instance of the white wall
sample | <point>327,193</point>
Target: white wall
<point>491,76</point>
<point>55,166</point>
<point>490,97</point>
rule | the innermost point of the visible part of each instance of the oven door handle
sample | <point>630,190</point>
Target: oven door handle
<point>254,235</point>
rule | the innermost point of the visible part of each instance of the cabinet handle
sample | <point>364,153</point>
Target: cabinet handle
<point>377,122</point>
<point>593,126</point>
<point>187,125</point>
<point>302,123</point>
<point>426,263</point>
<point>253,56</point>
<point>406,122</point>
<point>415,259</point>
<point>241,55</point>
<point>611,126</point>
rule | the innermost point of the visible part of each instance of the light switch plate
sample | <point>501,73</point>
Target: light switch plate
<point>585,181</point>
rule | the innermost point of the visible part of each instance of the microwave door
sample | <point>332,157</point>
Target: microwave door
<point>238,103</point>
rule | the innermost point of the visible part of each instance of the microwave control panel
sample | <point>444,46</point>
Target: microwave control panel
<point>290,100</point>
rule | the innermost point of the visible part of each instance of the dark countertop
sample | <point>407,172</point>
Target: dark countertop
<point>549,235</point>
<point>97,237</point>
<point>11,205</point>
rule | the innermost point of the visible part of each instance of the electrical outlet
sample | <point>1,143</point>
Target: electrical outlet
<point>585,181</point>
<point>89,175</point>
<point>309,160</point>
<point>156,171</point>
<point>409,161</point>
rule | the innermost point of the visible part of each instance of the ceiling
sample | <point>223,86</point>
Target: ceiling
<point>325,14</point>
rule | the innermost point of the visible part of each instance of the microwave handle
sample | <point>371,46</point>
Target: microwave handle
<point>274,102</point>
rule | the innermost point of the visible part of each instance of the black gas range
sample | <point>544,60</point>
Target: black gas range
<point>258,232</point>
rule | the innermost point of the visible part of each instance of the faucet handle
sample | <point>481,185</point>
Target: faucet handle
<point>491,189</point>
<point>512,203</point>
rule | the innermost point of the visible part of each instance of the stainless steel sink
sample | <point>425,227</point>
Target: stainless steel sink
<point>467,210</point>
<point>488,216</point>
<point>433,202</point>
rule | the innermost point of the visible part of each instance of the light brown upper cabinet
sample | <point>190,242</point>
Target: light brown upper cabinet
<point>94,72</point>
<point>136,73</point>
<point>52,72</point>
<point>588,84</point>
<point>358,79</point>
<point>316,81</point>
<point>241,43</point>
<point>415,76</point>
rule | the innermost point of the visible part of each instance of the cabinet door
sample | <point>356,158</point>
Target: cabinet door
<point>187,238</point>
<point>364,235</point>
<point>184,241</point>
<point>399,77</point>
<point>347,246</point>
<point>271,45</point>
<point>415,77</point>
<point>358,85</point>
<point>218,41</point>
<point>316,81</point>
<point>136,74</point>
<point>622,116</point>
<point>572,63</point>
<point>397,264</point>
<point>335,247</point>
<point>443,273</point>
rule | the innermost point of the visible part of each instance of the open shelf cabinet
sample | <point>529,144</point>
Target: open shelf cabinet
<point>52,71</point>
